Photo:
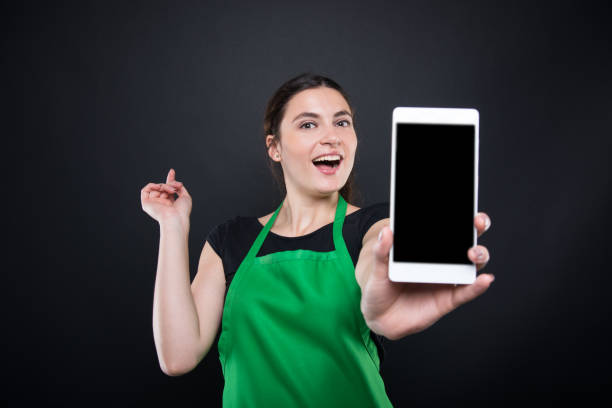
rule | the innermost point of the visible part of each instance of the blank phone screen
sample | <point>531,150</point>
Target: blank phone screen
<point>434,193</point>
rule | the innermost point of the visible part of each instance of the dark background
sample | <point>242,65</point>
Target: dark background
<point>101,98</point>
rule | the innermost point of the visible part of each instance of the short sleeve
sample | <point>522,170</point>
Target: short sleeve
<point>373,214</point>
<point>216,237</point>
<point>231,240</point>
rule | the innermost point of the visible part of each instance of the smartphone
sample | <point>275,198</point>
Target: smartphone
<point>434,194</point>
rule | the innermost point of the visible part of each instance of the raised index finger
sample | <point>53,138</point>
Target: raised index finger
<point>170,177</point>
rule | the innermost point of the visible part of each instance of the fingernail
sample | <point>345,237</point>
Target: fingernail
<point>380,235</point>
<point>479,253</point>
<point>487,223</point>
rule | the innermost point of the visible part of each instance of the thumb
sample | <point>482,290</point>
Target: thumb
<point>381,252</point>
<point>182,191</point>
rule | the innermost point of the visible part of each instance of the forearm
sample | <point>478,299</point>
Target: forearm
<point>377,324</point>
<point>175,317</point>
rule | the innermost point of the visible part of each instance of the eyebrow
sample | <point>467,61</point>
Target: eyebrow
<point>315,115</point>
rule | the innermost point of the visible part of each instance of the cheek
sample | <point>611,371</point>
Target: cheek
<point>352,144</point>
<point>298,152</point>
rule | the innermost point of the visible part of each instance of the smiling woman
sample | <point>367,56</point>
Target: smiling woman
<point>302,294</point>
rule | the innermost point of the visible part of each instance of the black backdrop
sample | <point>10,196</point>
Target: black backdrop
<point>101,98</point>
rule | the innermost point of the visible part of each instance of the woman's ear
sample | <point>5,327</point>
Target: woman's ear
<point>273,148</point>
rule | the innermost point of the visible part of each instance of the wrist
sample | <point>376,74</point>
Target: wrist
<point>381,328</point>
<point>174,226</point>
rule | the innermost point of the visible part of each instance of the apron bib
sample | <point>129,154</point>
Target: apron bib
<point>292,332</point>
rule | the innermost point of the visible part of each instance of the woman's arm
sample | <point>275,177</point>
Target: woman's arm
<point>185,316</point>
<point>396,309</point>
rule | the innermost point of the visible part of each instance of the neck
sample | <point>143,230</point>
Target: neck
<point>302,214</point>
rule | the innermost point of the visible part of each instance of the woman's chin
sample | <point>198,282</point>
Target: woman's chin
<point>329,187</point>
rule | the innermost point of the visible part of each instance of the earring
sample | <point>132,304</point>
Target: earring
<point>276,156</point>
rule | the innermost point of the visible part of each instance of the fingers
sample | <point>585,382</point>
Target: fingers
<point>167,189</point>
<point>479,255</point>
<point>164,190</point>
<point>482,222</point>
<point>178,186</point>
<point>154,190</point>
<point>149,189</point>
<point>465,293</point>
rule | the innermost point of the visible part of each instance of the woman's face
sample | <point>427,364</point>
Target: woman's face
<point>317,123</point>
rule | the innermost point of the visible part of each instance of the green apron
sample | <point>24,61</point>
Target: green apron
<point>292,332</point>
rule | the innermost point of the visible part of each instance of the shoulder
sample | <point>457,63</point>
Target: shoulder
<point>228,224</point>
<point>369,219</point>
<point>370,213</point>
<point>236,226</point>
<point>350,208</point>
<point>264,219</point>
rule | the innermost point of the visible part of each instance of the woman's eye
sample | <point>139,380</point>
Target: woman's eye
<point>307,125</point>
<point>344,123</point>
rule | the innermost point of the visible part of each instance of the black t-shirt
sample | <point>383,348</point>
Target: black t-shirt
<point>232,240</point>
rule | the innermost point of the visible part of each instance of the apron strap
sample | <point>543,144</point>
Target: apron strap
<point>339,244</point>
<point>262,235</point>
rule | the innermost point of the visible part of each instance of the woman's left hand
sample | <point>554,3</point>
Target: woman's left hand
<point>397,309</point>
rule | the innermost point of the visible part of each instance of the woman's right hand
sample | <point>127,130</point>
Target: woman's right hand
<point>159,202</point>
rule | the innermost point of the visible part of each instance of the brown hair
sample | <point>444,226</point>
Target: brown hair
<point>275,110</point>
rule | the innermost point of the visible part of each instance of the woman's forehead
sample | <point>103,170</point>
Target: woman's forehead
<point>322,100</point>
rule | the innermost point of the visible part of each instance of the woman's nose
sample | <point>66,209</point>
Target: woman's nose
<point>331,137</point>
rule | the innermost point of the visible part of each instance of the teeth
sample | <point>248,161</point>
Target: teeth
<point>328,158</point>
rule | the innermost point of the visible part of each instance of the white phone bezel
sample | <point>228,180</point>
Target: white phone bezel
<point>432,272</point>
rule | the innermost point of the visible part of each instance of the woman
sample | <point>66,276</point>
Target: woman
<point>299,292</point>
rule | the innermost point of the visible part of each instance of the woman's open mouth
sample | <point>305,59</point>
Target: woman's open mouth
<point>328,164</point>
